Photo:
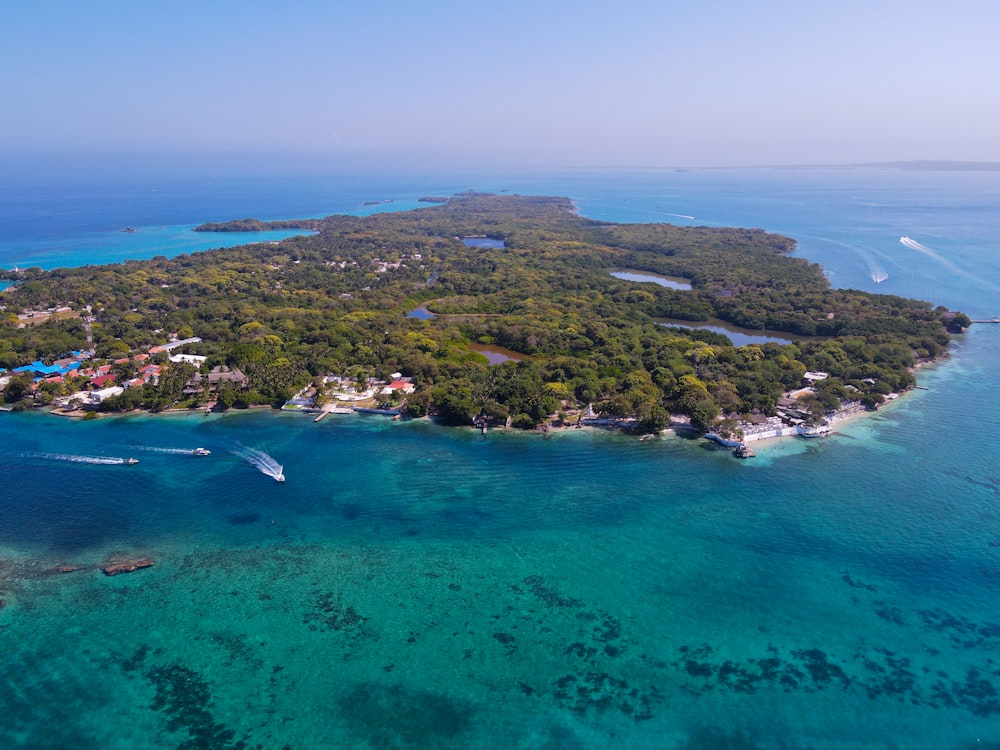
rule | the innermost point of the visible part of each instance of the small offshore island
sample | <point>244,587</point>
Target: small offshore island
<point>315,321</point>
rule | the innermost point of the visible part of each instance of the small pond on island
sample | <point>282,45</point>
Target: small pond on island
<point>421,313</point>
<point>483,242</point>
<point>671,282</point>
<point>497,354</point>
<point>739,336</point>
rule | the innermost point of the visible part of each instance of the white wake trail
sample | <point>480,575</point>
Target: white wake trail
<point>261,461</point>
<point>103,460</point>
<point>155,449</point>
<point>875,269</point>
<point>914,245</point>
<point>921,248</point>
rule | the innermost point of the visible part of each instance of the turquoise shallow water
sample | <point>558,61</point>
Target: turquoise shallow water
<point>412,586</point>
<point>57,223</point>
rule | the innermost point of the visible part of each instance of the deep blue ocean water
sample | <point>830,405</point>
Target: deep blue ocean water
<point>412,586</point>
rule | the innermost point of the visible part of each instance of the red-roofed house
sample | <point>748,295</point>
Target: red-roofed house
<point>150,373</point>
<point>102,381</point>
<point>398,385</point>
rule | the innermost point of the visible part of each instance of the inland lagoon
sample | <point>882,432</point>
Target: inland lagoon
<point>647,277</point>
<point>738,335</point>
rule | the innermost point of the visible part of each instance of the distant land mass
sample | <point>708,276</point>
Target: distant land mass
<point>937,165</point>
<point>926,165</point>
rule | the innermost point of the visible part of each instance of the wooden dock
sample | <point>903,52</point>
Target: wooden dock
<point>334,410</point>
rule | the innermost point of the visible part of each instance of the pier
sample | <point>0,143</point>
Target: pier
<point>990,320</point>
<point>333,409</point>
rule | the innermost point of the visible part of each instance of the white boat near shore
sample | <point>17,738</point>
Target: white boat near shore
<point>818,431</point>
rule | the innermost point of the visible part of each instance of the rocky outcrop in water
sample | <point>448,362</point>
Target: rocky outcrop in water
<point>126,566</point>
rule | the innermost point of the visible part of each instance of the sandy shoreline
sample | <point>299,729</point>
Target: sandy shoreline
<point>571,425</point>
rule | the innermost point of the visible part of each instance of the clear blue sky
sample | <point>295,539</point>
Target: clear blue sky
<point>546,83</point>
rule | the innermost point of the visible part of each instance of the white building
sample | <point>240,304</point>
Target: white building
<point>97,397</point>
<point>192,359</point>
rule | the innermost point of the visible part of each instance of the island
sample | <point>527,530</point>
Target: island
<point>256,225</point>
<point>367,304</point>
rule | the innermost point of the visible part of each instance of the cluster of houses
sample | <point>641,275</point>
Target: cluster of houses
<point>93,384</point>
<point>793,418</point>
<point>216,377</point>
<point>379,265</point>
<point>347,390</point>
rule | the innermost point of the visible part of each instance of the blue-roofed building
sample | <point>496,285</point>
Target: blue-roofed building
<point>40,368</point>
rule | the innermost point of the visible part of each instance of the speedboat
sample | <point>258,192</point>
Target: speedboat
<point>130,461</point>
<point>201,452</point>
<point>281,477</point>
<point>815,432</point>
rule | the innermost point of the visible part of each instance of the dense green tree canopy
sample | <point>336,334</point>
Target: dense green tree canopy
<point>337,300</point>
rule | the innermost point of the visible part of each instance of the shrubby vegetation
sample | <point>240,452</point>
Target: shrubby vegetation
<point>256,225</point>
<point>336,302</point>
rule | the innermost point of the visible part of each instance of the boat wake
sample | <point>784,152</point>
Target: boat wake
<point>876,270</point>
<point>914,245</point>
<point>261,461</point>
<point>100,460</point>
<point>921,248</point>
<point>171,451</point>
